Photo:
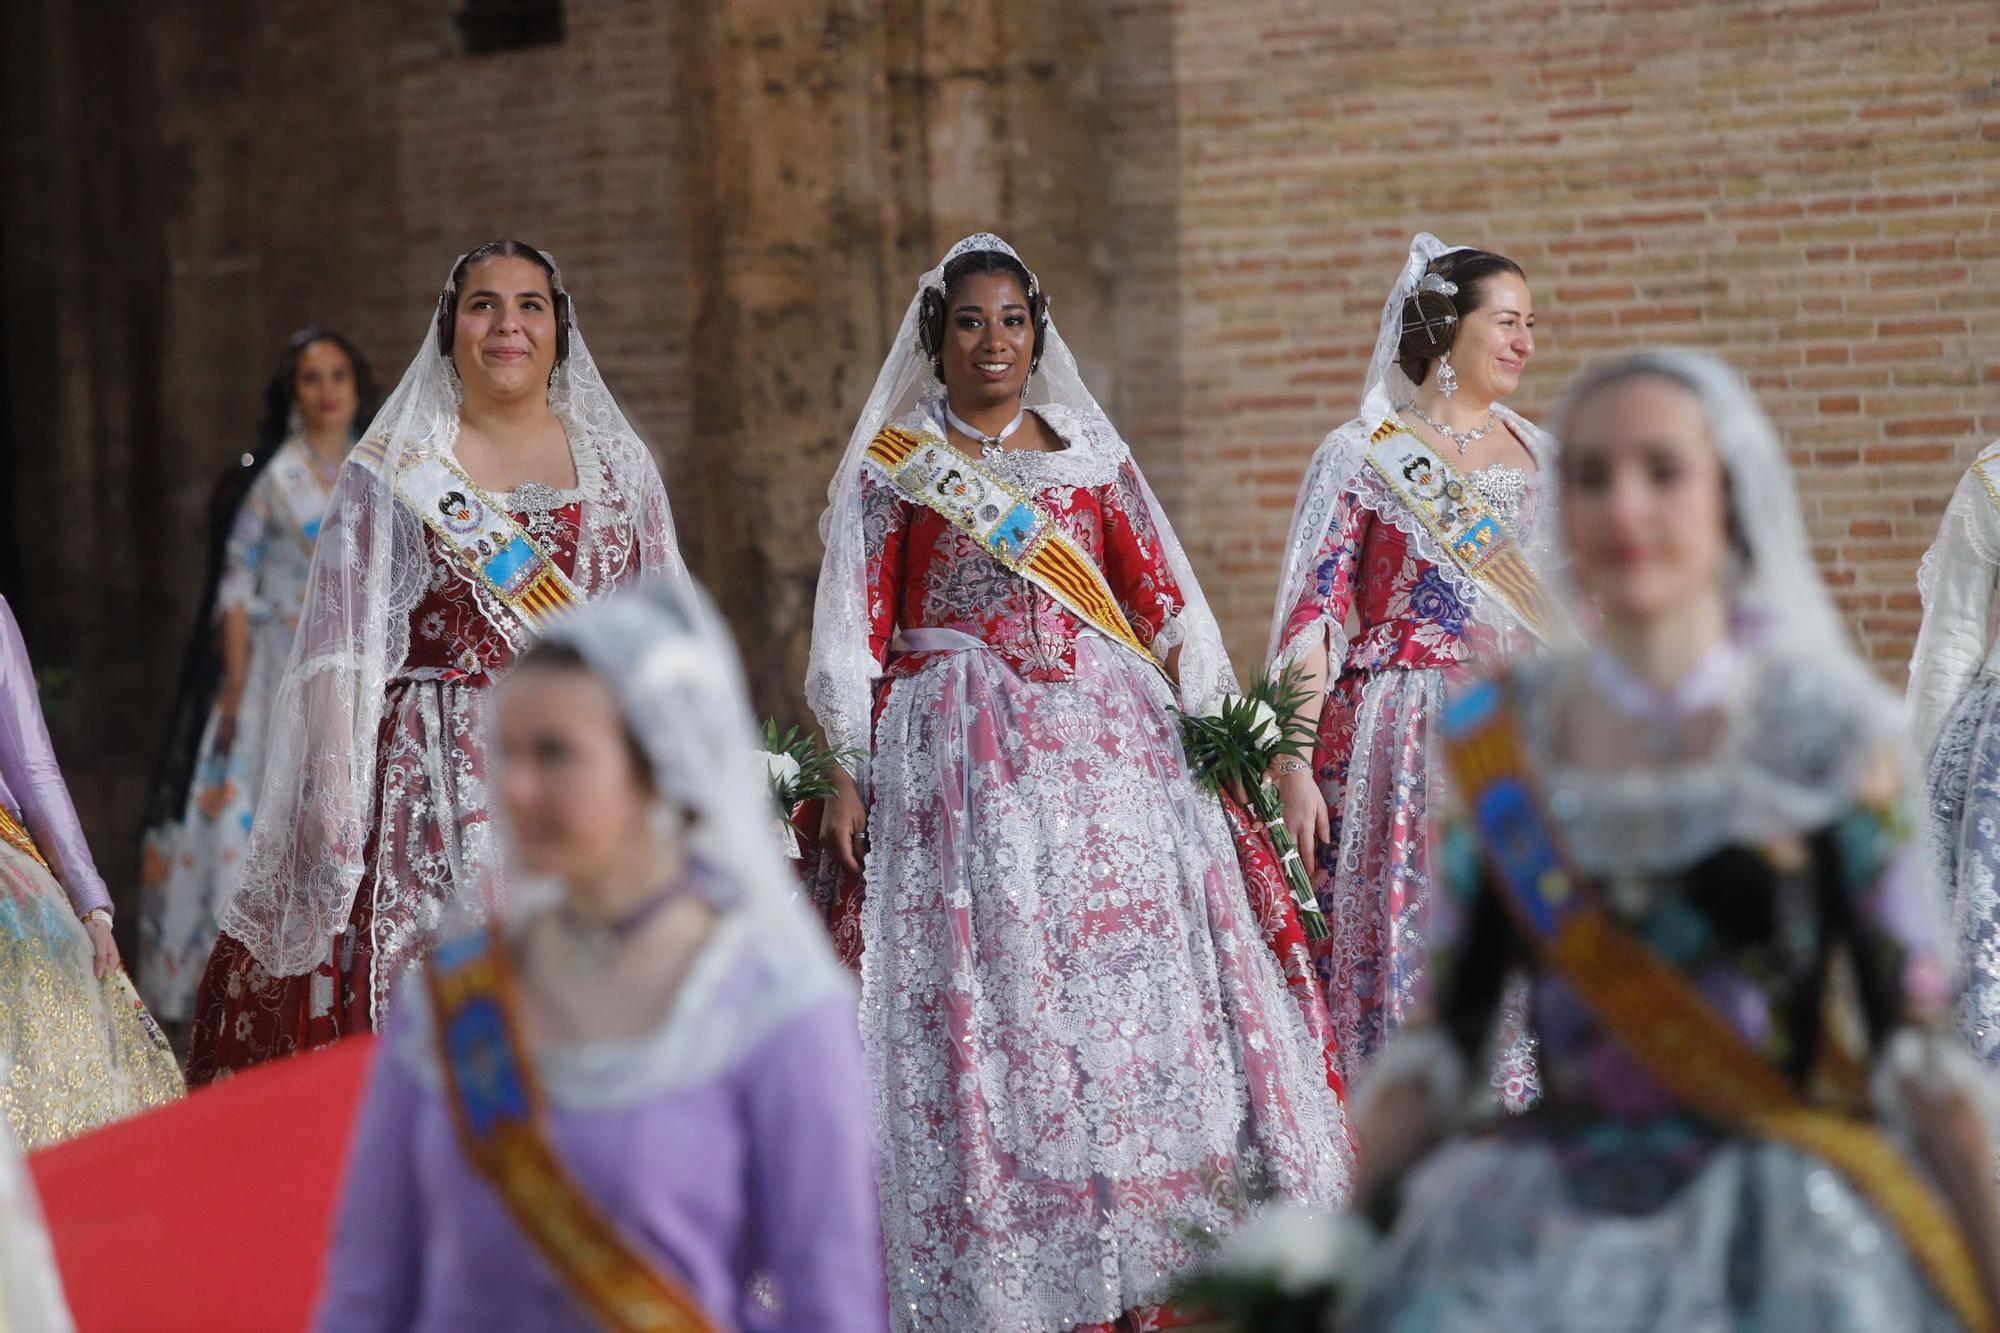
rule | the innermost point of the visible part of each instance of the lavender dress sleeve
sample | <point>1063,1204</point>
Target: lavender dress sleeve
<point>812,1178</point>
<point>34,783</point>
<point>374,1266</point>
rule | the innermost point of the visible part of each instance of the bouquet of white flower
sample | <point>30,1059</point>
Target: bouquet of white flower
<point>1233,743</point>
<point>1284,1272</point>
<point>799,769</point>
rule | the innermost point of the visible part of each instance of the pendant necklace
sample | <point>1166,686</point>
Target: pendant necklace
<point>1464,439</point>
<point>990,446</point>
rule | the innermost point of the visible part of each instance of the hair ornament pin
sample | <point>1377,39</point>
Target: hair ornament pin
<point>1433,282</point>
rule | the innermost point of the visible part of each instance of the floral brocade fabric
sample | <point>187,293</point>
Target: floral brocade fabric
<point>1083,1049</point>
<point>75,1052</point>
<point>1376,761</point>
<point>432,837</point>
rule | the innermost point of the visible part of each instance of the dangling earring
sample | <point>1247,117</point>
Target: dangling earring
<point>295,421</point>
<point>1447,377</point>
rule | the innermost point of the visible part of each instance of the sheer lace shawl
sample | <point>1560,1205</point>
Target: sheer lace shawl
<point>1957,580</point>
<point>842,668</point>
<point>670,661</point>
<point>1339,467</point>
<point>304,860</point>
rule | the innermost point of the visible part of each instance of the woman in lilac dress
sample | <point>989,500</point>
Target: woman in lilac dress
<point>692,1036</point>
<point>77,1048</point>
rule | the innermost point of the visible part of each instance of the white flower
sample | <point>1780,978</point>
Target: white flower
<point>780,770</point>
<point>1298,1249</point>
<point>1266,722</point>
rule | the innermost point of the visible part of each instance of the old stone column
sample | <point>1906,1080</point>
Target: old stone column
<point>833,152</point>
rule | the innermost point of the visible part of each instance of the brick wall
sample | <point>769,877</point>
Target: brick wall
<point>1811,190</point>
<point>741,192</point>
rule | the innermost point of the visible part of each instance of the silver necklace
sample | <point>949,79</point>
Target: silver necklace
<point>990,446</point>
<point>1464,439</point>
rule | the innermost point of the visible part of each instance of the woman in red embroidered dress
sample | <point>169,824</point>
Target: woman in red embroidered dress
<point>1374,610</point>
<point>374,814</point>
<point>1081,1044</point>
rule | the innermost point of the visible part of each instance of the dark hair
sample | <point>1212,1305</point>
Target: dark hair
<point>1431,319</point>
<point>930,323</point>
<point>283,391</point>
<point>447,314</point>
<point>562,657</point>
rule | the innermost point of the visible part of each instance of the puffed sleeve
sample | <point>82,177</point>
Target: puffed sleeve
<point>243,552</point>
<point>28,762</point>
<point>1957,580</point>
<point>1135,564</point>
<point>1319,615</point>
<point>885,528</point>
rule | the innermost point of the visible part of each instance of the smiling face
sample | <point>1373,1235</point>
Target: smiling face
<point>1494,342</point>
<point>324,388</point>
<point>1644,503</point>
<point>574,796</point>
<point>988,346</point>
<point>504,337</point>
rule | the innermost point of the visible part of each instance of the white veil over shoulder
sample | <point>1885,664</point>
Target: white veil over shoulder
<point>1819,721</point>
<point>304,860</point>
<point>839,676</point>
<point>1337,464</point>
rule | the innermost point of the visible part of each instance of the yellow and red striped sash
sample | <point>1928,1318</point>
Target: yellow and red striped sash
<point>1658,1015</point>
<point>496,1103</point>
<point>473,526</point>
<point>1473,537</point>
<point>1015,530</point>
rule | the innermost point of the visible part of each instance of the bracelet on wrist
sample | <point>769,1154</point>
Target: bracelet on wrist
<point>1289,765</point>
<point>97,913</point>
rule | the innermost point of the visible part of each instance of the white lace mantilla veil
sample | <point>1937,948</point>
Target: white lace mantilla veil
<point>1338,462</point>
<point>1821,718</point>
<point>841,668</point>
<point>303,862</point>
<point>669,659</point>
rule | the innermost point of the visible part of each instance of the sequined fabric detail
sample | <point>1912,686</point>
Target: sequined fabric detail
<point>1505,488</point>
<point>78,1053</point>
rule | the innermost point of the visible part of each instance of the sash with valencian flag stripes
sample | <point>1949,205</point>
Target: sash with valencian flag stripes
<point>496,1105</point>
<point>486,539</point>
<point>1014,530</point>
<point>1657,1014</point>
<point>1472,535</point>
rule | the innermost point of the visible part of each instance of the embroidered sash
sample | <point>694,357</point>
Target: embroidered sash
<point>486,539</point>
<point>1659,1016</point>
<point>304,502</point>
<point>1986,479</point>
<point>1473,537</point>
<point>1014,530</point>
<point>496,1107</point>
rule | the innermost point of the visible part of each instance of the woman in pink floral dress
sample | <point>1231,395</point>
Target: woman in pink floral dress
<point>1406,559</point>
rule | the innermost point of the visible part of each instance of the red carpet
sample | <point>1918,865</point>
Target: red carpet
<point>211,1214</point>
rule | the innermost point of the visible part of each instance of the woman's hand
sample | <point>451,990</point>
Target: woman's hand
<point>227,705</point>
<point>104,949</point>
<point>843,828</point>
<point>1305,811</point>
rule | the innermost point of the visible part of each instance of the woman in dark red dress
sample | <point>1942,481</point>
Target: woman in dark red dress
<point>499,484</point>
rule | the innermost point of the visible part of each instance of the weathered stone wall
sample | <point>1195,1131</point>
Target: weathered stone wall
<point>742,191</point>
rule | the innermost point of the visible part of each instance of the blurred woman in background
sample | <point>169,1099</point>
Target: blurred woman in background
<point>499,485</point>
<point>681,1137</point>
<point>264,523</point>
